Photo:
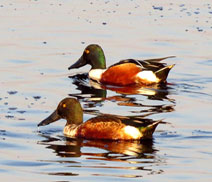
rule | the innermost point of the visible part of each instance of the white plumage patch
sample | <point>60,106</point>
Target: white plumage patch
<point>148,75</point>
<point>132,131</point>
<point>95,74</point>
<point>70,130</point>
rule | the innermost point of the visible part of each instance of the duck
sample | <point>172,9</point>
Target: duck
<point>105,126</point>
<point>124,73</point>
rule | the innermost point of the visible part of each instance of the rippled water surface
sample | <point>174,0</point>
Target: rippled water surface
<point>40,39</point>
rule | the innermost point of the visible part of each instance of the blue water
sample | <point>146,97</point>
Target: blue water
<point>40,40</point>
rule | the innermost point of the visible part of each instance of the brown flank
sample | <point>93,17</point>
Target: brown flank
<point>103,128</point>
<point>122,75</point>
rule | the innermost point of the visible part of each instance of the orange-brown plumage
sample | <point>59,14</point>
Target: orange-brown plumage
<point>122,74</point>
<point>103,127</point>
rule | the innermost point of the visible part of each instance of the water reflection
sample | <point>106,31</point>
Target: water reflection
<point>154,92</point>
<point>71,147</point>
<point>98,91</point>
<point>94,94</point>
<point>137,155</point>
<point>80,80</point>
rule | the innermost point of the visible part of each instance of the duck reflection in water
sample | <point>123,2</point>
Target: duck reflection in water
<point>96,96</point>
<point>71,147</point>
<point>87,91</point>
<point>94,91</point>
<point>141,155</point>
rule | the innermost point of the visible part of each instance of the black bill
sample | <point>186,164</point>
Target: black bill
<point>52,118</point>
<point>81,62</point>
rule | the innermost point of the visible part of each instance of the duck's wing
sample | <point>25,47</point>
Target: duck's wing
<point>158,59</point>
<point>136,121</point>
<point>154,64</point>
<point>147,64</point>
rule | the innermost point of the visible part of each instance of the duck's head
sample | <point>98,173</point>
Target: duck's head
<point>93,55</point>
<point>69,109</point>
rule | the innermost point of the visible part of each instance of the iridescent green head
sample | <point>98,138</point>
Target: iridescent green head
<point>93,55</point>
<point>69,109</point>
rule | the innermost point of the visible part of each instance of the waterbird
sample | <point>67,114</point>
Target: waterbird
<point>110,127</point>
<point>125,72</point>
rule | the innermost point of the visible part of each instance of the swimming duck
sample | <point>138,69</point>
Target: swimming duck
<point>125,72</point>
<point>101,127</point>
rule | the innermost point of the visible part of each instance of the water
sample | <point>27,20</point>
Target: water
<point>39,40</point>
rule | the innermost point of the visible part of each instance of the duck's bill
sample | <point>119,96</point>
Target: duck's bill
<point>52,118</point>
<point>81,62</point>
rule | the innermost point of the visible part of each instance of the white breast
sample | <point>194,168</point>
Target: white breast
<point>95,74</point>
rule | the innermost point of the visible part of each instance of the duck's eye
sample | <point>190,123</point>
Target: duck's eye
<point>64,105</point>
<point>87,51</point>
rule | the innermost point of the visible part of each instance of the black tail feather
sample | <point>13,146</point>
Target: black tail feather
<point>163,72</point>
<point>159,59</point>
<point>149,130</point>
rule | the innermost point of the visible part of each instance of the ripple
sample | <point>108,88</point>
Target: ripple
<point>158,8</point>
<point>9,116</point>
<point>62,174</point>
<point>24,163</point>
<point>12,108</point>
<point>202,132</point>
<point>170,135</point>
<point>199,137</point>
<point>13,146</point>
<point>12,92</point>
<point>21,111</point>
<point>192,89</point>
<point>205,62</point>
<point>16,61</point>
<point>36,97</point>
